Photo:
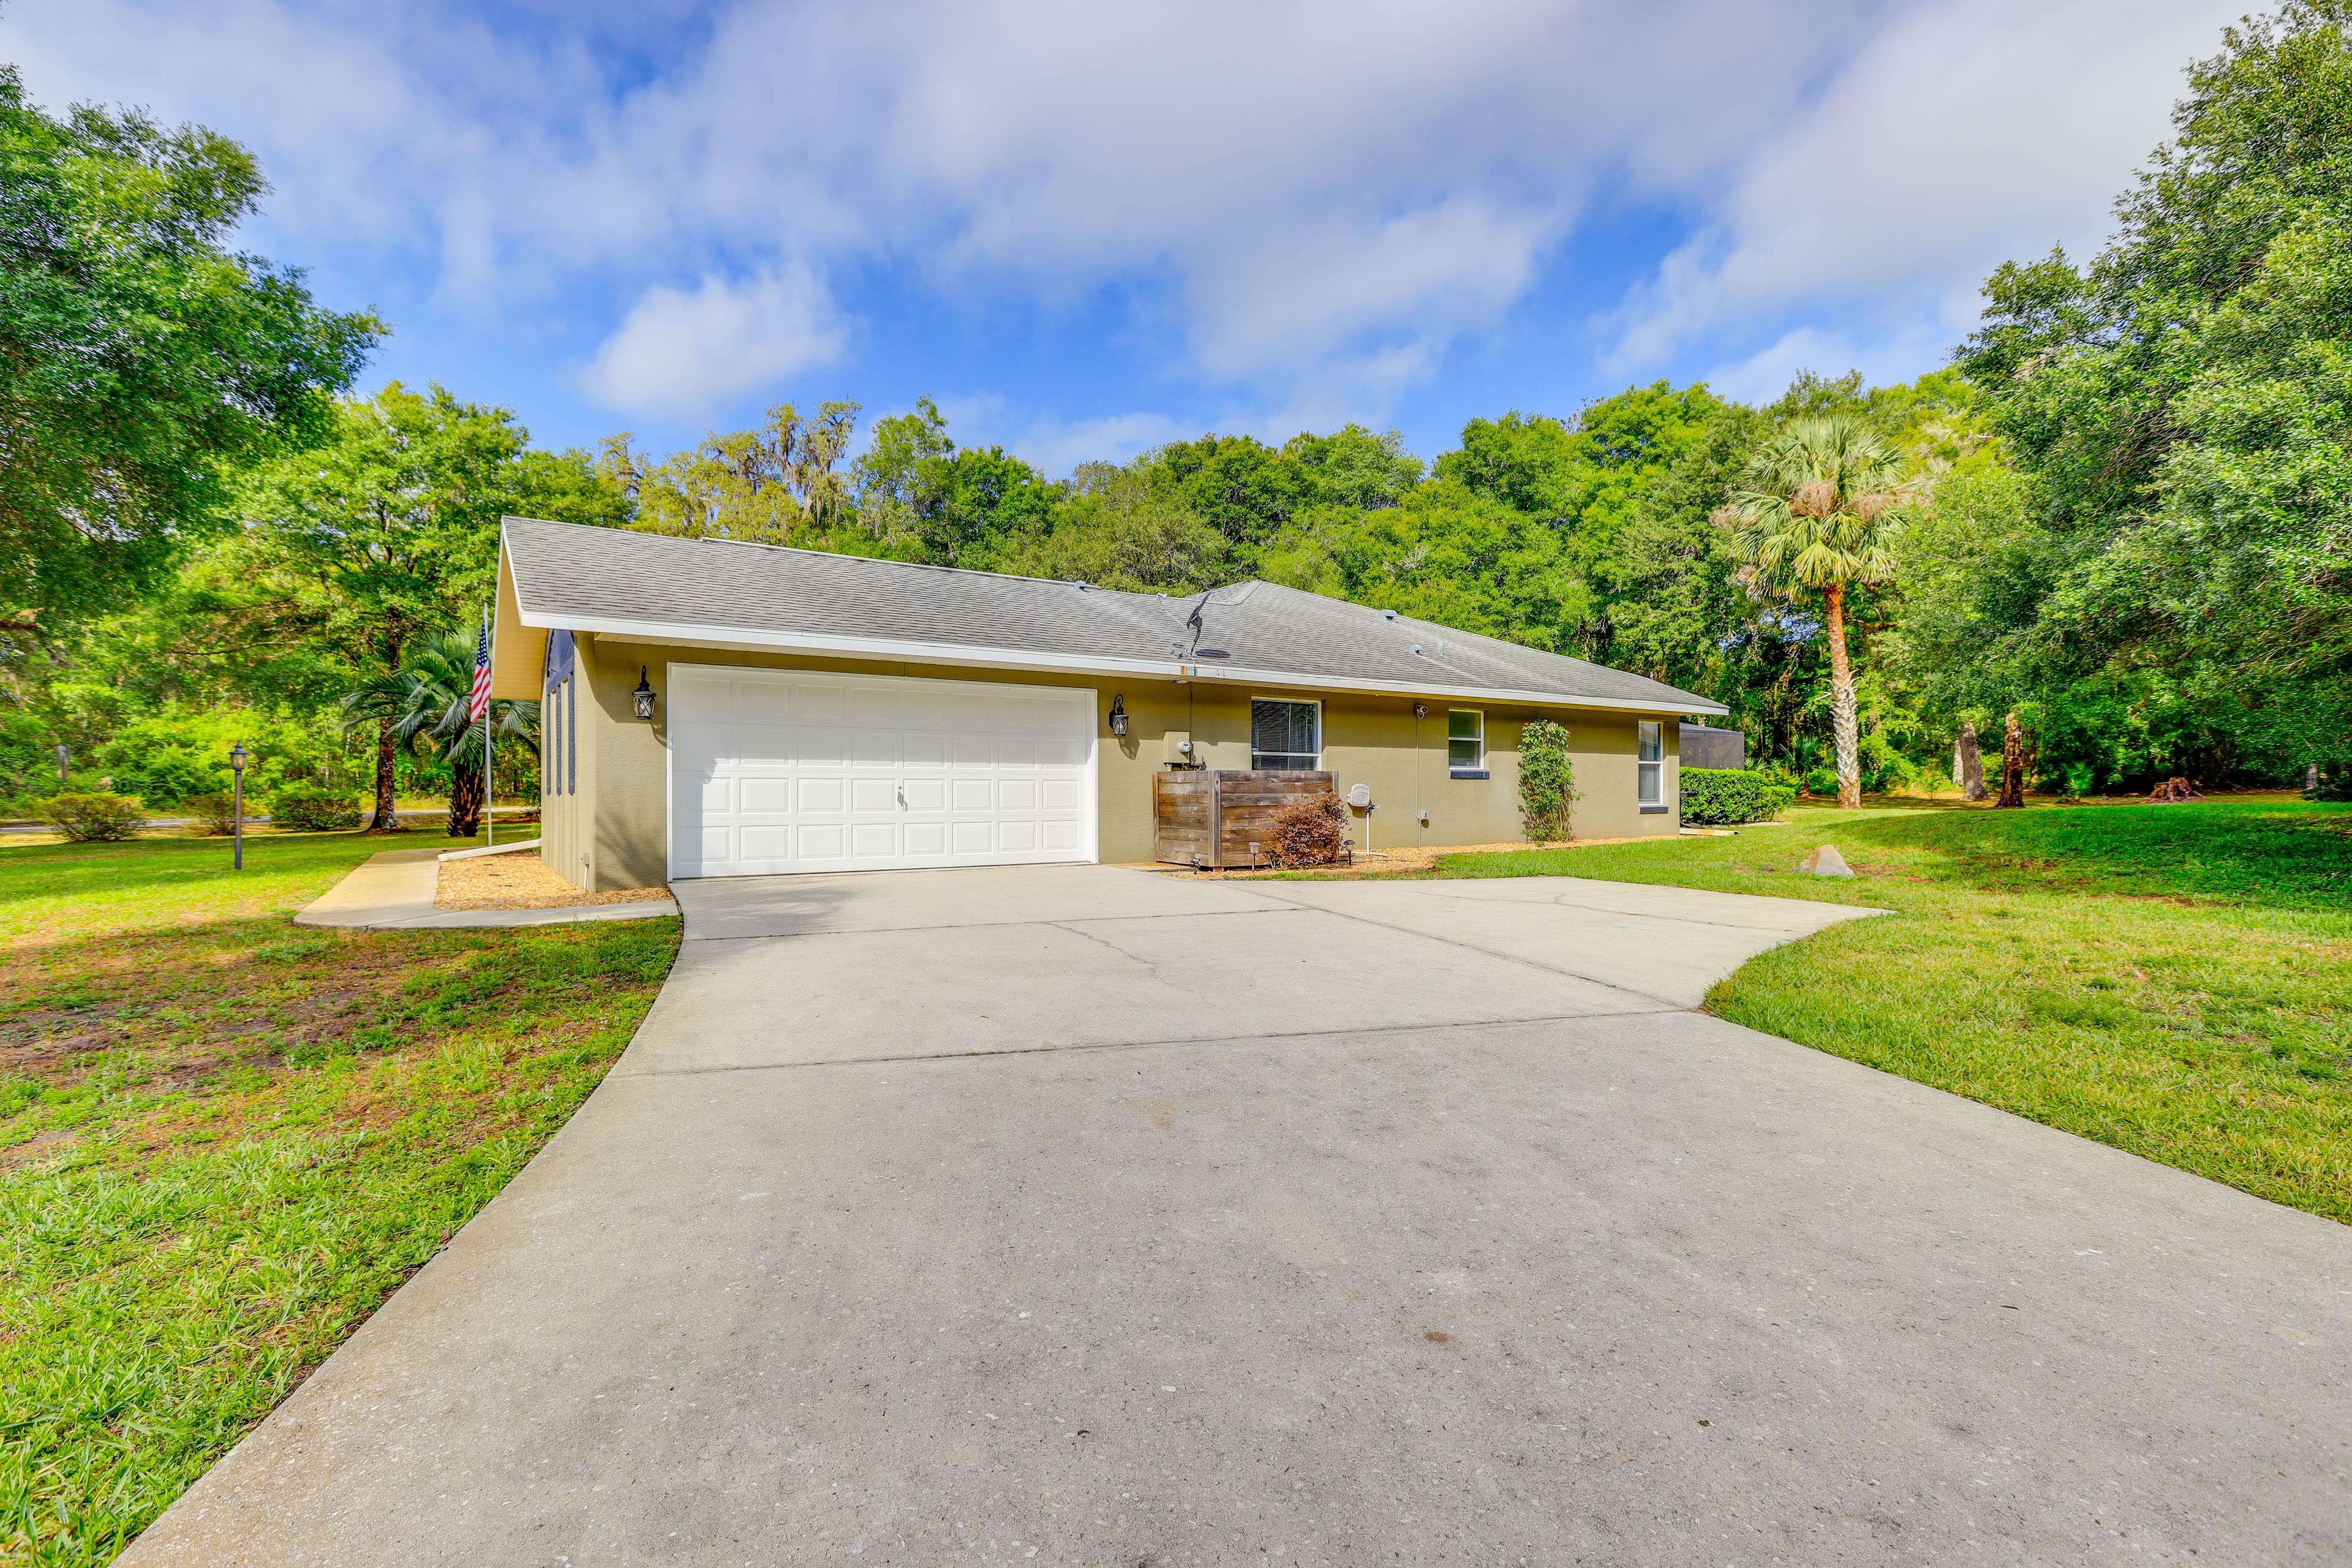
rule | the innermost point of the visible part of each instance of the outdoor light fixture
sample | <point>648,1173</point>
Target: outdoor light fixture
<point>643,695</point>
<point>1118,716</point>
<point>238,757</point>
<point>1421,709</point>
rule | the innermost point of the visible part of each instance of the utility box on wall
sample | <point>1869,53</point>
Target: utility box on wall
<point>1209,817</point>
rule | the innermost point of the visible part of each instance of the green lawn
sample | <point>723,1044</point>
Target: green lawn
<point>224,1140</point>
<point>2173,980</point>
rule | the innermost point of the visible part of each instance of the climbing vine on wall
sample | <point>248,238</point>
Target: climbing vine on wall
<point>1546,780</point>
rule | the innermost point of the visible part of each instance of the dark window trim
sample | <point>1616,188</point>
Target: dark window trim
<point>1654,811</point>
<point>1469,772</point>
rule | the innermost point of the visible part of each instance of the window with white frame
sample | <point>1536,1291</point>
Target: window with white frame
<point>1465,744</point>
<point>1650,767</point>
<point>1285,735</point>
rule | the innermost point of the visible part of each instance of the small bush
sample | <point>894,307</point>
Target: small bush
<point>95,817</point>
<point>309,809</point>
<point>1547,781</point>
<point>1310,832</point>
<point>1715,797</point>
<point>215,811</point>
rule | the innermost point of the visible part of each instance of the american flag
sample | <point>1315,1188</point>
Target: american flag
<point>481,702</point>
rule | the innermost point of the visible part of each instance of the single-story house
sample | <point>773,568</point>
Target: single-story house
<point>807,711</point>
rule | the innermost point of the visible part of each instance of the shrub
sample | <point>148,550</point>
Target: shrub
<point>309,809</point>
<point>215,811</point>
<point>1821,781</point>
<point>1547,781</point>
<point>1310,832</point>
<point>1718,797</point>
<point>96,818</point>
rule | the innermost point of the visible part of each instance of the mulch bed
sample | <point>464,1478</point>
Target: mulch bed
<point>521,881</point>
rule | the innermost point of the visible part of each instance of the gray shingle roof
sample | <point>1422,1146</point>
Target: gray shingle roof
<point>567,575</point>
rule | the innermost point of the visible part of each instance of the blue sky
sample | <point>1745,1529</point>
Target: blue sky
<point>1088,225</point>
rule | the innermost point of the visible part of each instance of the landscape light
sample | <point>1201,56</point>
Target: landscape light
<point>238,757</point>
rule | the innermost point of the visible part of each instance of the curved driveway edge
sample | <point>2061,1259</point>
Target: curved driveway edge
<point>1080,1216</point>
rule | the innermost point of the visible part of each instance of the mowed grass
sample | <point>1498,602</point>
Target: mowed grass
<point>2172,980</point>
<point>224,1138</point>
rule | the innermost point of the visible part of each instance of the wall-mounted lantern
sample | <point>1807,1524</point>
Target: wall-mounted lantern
<point>1118,716</point>
<point>1421,709</point>
<point>643,696</point>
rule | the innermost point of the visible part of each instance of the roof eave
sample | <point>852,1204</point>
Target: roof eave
<point>893,650</point>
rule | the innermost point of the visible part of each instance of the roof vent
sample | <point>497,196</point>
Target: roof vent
<point>1388,615</point>
<point>1416,647</point>
<point>1082,585</point>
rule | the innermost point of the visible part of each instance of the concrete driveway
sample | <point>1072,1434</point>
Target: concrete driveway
<point>1084,1215</point>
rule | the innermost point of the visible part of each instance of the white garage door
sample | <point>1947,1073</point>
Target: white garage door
<point>778,771</point>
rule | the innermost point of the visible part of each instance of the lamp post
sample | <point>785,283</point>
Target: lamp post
<point>237,759</point>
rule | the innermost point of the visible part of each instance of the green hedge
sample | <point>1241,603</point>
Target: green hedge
<point>306,809</point>
<point>96,818</point>
<point>1715,797</point>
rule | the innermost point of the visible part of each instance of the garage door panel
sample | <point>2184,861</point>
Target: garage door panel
<point>819,841</point>
<point>768,795</point>
<point>788,772</point>
<point>818,704</point>
<point>759,702</point>
<point>816,748</point>
<point>765,841</point>
<point>820,794</point>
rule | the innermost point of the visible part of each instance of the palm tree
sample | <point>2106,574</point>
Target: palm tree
<point>425,704</point>
<point>1816,512</point>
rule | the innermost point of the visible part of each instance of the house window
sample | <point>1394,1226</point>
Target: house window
<point>1285,735</point>
<point>1650,767</point>
<point>1465,744</point>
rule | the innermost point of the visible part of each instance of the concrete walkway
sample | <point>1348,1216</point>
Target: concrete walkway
<point>1078,1216</point>
<point>396,890</point>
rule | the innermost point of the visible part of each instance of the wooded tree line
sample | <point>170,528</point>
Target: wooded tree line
<point>2119,518</point>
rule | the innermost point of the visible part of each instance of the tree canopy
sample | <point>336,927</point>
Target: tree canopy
<point>141,360</point>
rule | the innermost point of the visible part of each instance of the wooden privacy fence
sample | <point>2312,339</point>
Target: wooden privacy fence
<point>1210,816</point>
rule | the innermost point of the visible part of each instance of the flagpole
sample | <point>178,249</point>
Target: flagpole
<point>490,774</point>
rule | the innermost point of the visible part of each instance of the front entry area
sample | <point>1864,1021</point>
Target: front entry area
<point>789,770</point>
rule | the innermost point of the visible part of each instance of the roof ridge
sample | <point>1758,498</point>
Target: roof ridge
<point>836,555</point>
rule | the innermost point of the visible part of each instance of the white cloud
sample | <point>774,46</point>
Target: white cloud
<point>1303,201</point>
<point>1961,136</point>
<point>680,353</point>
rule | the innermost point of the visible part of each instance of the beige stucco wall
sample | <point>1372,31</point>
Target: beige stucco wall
<point>622,841</point>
